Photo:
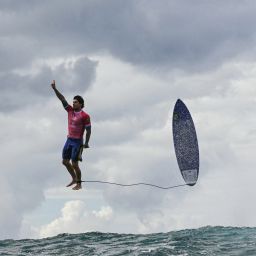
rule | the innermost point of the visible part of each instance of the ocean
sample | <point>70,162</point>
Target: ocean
<point>202,241</point>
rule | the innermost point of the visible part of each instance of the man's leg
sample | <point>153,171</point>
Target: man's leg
<point>71,171</point>
<point>78,175</point>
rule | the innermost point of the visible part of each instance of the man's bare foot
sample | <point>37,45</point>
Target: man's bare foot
<point>71,183</point>
<point>77,187</point>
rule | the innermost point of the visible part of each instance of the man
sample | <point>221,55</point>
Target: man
<point>78,122</point>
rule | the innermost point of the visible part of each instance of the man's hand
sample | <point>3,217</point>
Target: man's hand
<point>58,94</point>
<point>86,145</point>
<point>53,85</point>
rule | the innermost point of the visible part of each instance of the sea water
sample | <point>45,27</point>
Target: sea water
<point>202,241</point>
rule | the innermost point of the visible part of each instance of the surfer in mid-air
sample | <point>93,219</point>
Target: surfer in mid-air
<point>78,122</point>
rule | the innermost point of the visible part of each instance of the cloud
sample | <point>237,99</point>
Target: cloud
<point>24,90</point>
<point>171,34</point>
<point>104,213</point>
<point>75,218</point>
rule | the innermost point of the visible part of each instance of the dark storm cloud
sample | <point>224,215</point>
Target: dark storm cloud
<point>22,90</point>
<point>179,34</point>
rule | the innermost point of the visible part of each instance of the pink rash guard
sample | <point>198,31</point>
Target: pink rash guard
<point>77,122</point>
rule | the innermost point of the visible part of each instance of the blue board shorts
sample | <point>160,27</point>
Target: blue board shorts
<point>71,149</point>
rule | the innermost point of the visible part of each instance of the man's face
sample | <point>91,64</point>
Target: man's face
<point>76,105</point>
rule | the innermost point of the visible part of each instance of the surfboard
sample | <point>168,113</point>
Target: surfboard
<point>185,143</point>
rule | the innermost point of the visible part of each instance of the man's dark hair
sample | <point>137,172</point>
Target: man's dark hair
<point>80,100</point>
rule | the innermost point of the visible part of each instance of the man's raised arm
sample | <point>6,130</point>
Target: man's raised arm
<point>58,94</point>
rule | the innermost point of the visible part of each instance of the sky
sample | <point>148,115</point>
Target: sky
<point>130,60</point>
